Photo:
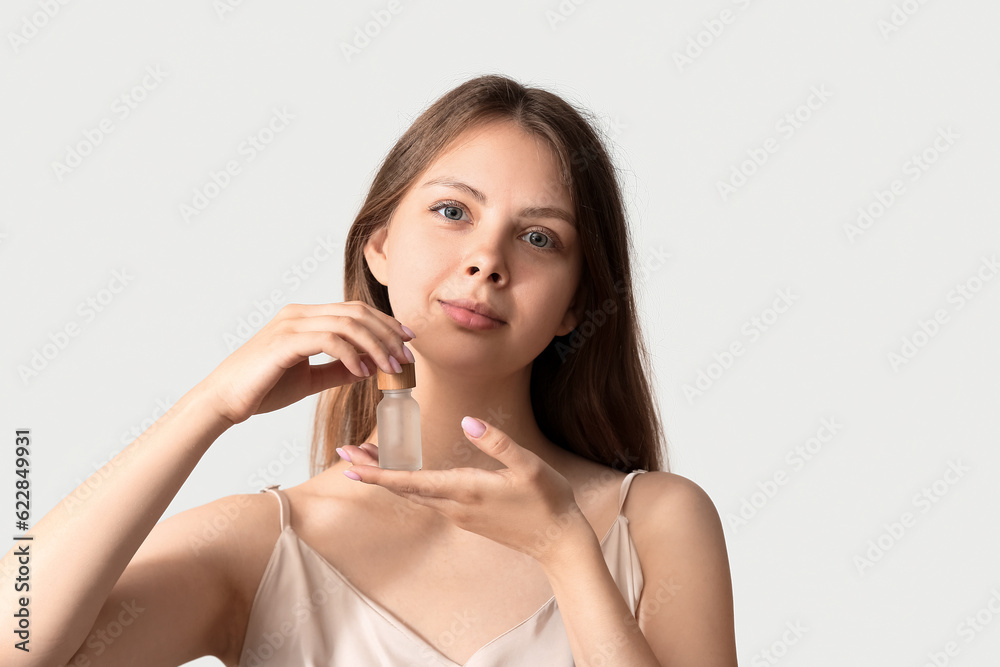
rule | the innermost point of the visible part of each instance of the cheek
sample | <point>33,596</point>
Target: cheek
<point>419,260</point>
<point>407,250</point>
<point>542,308</point>
<point>416,258</point>
<point>416,265</point>
<point>415,235</point>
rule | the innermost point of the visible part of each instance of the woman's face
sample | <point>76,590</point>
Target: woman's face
<point>509,248</point>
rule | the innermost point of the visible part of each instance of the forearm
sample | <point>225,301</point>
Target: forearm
<point>81,547</point>
<point>600,627</point>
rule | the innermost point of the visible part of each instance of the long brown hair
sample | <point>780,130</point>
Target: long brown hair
<point>590,389</point>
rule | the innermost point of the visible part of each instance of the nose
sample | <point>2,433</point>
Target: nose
<point>486,259</point>
<point>493,275</point>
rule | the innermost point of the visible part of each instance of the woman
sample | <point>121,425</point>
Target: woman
<point>530,536</point>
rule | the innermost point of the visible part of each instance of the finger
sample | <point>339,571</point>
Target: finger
<point>359,309</point>
<point>357,455</point>
<point>359,334</point>
<point>494,442</point>
<point>298,347</point>
<point>334,374</point>
<point>389,321</point>
<point>424,483</point>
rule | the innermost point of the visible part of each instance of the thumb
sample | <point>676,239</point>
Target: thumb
<point>335,374</point>
<point>496,443</point>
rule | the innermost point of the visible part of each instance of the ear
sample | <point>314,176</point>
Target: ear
<point>375,254</point>
<point>574,313</point>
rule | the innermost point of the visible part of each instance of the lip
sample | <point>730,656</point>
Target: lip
<point>465,316</point>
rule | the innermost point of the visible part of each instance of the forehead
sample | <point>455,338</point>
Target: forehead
<point>506,162</point>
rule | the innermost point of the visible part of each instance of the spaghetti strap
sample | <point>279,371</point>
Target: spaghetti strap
<point>626,483</point>
<point>282,503</point>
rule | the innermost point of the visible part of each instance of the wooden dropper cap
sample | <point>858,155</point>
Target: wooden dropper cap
<point>405,380</point>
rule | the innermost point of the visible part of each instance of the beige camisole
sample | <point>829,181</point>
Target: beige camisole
<point>306,613</point>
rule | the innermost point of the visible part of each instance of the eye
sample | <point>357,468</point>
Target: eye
<point>535,234</point>
<point>449,209</point>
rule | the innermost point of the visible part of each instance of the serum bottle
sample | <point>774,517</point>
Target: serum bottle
<point>398,417</point>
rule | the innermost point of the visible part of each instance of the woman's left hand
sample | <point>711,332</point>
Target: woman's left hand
<point>528,506</point>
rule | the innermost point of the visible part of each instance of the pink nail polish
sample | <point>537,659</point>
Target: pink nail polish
<point>353,475</point>
<point>395,364</point>
<point>344,455</point>
<point>473,426</point>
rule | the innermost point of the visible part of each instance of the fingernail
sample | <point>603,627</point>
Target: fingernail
<point>353,475</point>
<point>473,427</point>
<point>408,331</point>
<point>343,454</point>
<point>365,369</point>
<point>395,364</point>
<point>409,355</point>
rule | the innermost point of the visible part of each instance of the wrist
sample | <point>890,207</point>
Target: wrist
<point>565,543</point>
<point>205,396</point>
<point>201,405</point>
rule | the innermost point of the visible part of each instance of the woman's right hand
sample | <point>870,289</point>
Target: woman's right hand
<point>272,370</point>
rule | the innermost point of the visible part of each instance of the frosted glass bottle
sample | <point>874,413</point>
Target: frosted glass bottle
<point>398,418</point>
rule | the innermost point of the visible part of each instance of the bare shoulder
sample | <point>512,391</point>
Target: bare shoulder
<point>685,609</point>
<point>669,511</point>
<point>657,496</point>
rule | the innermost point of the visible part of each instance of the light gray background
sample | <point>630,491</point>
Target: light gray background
<point>677,132</point>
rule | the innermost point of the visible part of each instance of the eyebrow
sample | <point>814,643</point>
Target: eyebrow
<point>530,212</point>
